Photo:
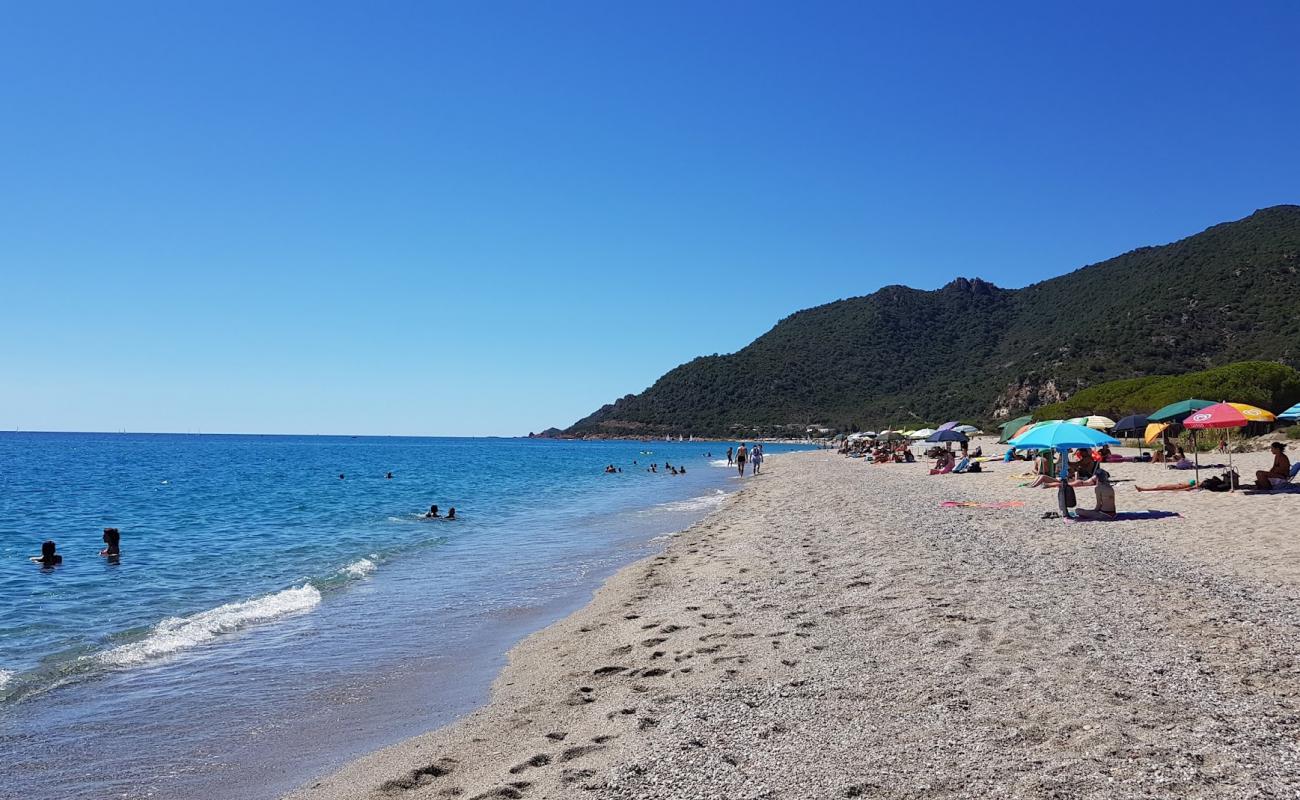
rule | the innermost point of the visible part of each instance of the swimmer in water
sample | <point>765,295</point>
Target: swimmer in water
<point>389,476</point>
<point>48,558</point>
<point>341,476</point>
<point>433,513</point>
<point>451,513</point>
<point>112,542</point>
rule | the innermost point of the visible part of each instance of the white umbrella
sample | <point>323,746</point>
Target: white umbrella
<point>924,433</point>
<point>967,429</point>
<point>1095,421</point>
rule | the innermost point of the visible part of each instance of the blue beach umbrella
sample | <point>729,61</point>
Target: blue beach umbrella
<point>1062,436</point>
<point>948,435</point>
<point>1291,413</point>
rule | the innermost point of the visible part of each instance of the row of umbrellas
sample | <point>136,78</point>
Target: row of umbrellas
<point>1193,414</point>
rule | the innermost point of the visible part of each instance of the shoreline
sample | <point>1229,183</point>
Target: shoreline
<point>832,631</point>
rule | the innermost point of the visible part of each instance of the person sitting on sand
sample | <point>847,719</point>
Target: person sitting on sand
<point>112,542</point>
<point>48,558</point>
<point>1277,474</point>
<point>1105,509</point>
<point>451,514</point>
<point>433,513</point>
<point>1084,465</point>
<point>942,464</point>
<point>1104,454</point>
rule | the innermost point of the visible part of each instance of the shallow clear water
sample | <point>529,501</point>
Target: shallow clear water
<point>268,619</point>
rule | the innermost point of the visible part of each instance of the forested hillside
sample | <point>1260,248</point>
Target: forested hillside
<point>973,350</point>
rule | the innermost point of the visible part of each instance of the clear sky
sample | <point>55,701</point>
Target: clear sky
<point>492,217</point>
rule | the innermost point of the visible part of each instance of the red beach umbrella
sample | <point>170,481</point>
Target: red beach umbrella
<point>1218,416</point>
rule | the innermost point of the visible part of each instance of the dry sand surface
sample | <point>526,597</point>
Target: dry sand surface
<point>834,632</point>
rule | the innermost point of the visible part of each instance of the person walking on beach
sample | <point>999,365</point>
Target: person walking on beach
<point>741,457</point>
<point>729,459</point>
<point>756,459</point>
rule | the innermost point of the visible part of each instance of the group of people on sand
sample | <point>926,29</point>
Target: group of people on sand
<point>1265,479</point>
<point>746,455</point>
<point>50,556</point>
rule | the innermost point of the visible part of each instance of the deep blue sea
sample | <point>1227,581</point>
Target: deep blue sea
<point>280,604</point>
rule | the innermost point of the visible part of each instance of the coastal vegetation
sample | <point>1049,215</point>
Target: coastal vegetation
<point>1260,383</point>
<point>972,350</point>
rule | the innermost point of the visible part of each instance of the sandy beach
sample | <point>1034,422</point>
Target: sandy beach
<point>835,631</point>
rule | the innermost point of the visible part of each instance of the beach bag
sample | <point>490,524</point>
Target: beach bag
<point>1214,484</point>
<point>975,467</point>
<point>1070,500</point>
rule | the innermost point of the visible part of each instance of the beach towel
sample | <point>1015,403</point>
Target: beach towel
<point>973,504</point>
<point>1190,465</point>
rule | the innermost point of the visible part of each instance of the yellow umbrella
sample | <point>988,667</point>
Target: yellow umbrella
<point>1253,413</point>
<point>1154,430</point>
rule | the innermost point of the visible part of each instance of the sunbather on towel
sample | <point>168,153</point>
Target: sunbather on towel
<point>1277,474</point>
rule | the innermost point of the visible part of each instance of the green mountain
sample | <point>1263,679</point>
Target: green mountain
<point>972,350</point>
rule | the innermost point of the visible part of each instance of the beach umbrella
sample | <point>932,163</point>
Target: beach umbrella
<point>947,436</point>
<point>1131,424</point>
<point>921,434</point>
<point>947,426</point>
<point>1062,436</point>
<point>966,429</point>
<point>1254,413</point>
<point>1153,431</point>
<point>869,434</point>
<point>890,436</point>
<point>1095,421</point>
<point>1175,412</point>
<point>1291,413</point>
<point>1217,417</point>
<point>1009,429</point>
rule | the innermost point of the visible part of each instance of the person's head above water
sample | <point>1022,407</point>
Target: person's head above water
<point>113,540</point>
<point>433,511</point>
<point>48,556</point>
<point>451,513</point>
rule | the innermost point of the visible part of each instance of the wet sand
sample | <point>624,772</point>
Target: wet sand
<point>833,631</point>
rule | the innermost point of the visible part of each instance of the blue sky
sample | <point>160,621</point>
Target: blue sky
<point>488,218</point>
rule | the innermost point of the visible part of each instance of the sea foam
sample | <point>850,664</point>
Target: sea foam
<point>359,569</point>
<point>5,676</point>
<point>706,502</point>
<point>175,634</point>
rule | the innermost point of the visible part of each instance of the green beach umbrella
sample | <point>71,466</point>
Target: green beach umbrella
<point>1177,412</point>
<point>1009,429</point>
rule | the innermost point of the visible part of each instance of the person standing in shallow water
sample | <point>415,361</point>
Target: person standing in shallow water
<point>730,460</point>
<point>112,544</point>
<point>741,457</point>
<point>48,557</point>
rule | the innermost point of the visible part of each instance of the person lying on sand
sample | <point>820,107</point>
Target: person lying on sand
<point>1169,487</point>
<point>1105,509</point>
<point>1048,482</point>
<point>1277,474</point>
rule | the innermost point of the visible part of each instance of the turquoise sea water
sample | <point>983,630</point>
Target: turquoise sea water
<point>269,619</point>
